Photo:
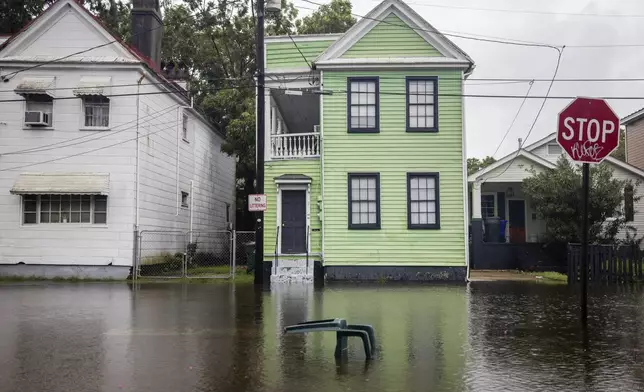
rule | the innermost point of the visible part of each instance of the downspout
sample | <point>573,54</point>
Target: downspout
<point>138,157</point>
<point>176,175</point>
<point>322,160</point>
<point>191,206</point>
<point>466,203</point>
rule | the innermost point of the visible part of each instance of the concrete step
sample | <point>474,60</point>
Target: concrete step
<point>292,271</point>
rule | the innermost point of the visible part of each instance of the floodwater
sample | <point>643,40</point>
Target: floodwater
<point>199,337</point>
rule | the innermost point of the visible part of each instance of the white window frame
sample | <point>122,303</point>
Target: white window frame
<point>548,149</point>
<point>185,195</point>
<point>496,203</point>
<point>82,117</point>
<point>185,127</point>
<point>24,110</point>
<point>69,224</point>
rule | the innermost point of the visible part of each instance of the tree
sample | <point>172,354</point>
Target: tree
<point>14,14</point>
<point>334,17</point>
<point>620,152</point>
<point>476,164</point>
<point>556,197</point>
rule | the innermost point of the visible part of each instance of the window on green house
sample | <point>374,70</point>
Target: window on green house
<point>422,104</point>
<point>364,201</point>
<point>422,201</point>
<point>363,111</point>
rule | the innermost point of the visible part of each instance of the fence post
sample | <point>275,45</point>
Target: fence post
<point>233,240</point>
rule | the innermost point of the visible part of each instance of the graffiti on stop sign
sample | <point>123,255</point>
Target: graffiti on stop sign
<point>588,134</point>
<point>588,130</point>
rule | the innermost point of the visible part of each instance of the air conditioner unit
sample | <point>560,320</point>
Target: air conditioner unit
<point>36,118</point>
<point>316,129</point>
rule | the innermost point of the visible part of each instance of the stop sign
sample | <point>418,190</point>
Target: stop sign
<point>588,130</point>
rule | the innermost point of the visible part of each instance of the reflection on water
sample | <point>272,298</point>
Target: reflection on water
<point>173,337</point>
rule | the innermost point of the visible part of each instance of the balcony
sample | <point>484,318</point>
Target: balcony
<point>293,124</point>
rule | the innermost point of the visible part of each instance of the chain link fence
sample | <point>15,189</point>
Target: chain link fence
<point>244,260</point>
<point>194,254</point>
<point>161,254</point>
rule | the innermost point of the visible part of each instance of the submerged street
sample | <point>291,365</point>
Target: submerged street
<point>200,337</point>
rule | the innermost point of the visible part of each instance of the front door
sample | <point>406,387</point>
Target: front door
<point>516,216</point>
<point>293,221</point>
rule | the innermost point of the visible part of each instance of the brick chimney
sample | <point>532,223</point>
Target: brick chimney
<point>147,29</point>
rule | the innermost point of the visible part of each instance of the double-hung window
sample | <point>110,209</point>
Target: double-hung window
<point>488,205</point>
<point>422,104</point>
<point>423,210</point>
<point>44,209</point>
<point>363,110</point>
<point>184,127</point>
<point>364,201</point>
<point>96,109</point>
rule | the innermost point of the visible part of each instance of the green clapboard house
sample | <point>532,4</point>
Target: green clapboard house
<point>365,168</point>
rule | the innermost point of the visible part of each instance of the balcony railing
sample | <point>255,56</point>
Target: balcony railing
<point>295,145</point>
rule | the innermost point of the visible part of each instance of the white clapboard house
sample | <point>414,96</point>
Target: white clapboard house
<point>97,143</point>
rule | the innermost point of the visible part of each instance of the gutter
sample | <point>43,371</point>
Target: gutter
<point>322,162</point>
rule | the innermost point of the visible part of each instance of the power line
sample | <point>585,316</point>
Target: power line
<point>112,131</point>
<point>85,152</point>
<point>536,118</point>
<point>528,11</point>
<point>459,35</point>
<point>514,119</point>
<point>4,77</point>
<point>301,54</point>
<point>136,84</point>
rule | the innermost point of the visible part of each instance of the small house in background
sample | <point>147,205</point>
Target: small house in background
<point>365,161</point>
<point>634,138</point>
<point>97,144</point>
<point>504,213</point>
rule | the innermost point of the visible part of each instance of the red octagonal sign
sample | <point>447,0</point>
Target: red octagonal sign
<point>588,130</point>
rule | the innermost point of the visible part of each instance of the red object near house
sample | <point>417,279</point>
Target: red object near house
<point>588,130</point>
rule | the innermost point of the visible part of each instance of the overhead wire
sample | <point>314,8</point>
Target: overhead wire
<point>536,118</point>
<point>14,73</point>
<point>514,119</point>
<point>457,35</point>
<point>87,151</point>
<point>102,133</point>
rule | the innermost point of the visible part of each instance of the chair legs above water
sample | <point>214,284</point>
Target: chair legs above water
<point>343,332</point>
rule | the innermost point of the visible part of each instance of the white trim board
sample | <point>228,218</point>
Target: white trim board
<point>432,36</point>
<point>292,186</point>
<point>507,159</point>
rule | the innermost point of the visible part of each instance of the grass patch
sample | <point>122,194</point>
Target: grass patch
<point>554,276</point>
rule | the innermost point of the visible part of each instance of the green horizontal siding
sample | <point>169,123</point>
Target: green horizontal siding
<point>308,167</point>
<point>391,38</point>
<point>285,54</point>
<point>393,153</point>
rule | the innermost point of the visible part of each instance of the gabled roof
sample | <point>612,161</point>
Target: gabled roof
<point>636,115</point>
<point>432,36</point>
<point>526,153</point>
<point>127,51</point>
<point>508,159</point>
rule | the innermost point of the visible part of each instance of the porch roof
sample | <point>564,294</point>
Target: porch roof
<point>487,174</point>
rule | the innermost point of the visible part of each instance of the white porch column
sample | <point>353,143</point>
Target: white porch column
<point>476,200</point>
<point>267,125</point>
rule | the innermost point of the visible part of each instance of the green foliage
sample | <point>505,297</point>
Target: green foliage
<point>14,14</point>
<point>620,152</point>
<point>556,196</point>
<point>476,164</point>
<point>334,17</point>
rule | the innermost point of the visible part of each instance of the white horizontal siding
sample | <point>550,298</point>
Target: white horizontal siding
<point>68,34</point>
<point>518,169</point>
<point>200,161</point>
<point>69,244</point>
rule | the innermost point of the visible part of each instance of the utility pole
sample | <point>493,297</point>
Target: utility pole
<point>259,144</point>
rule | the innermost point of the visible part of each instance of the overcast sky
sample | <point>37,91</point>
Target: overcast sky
<point>487,119</point>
